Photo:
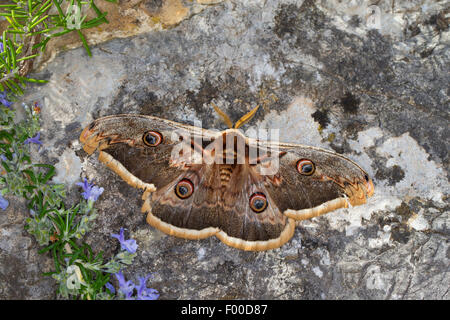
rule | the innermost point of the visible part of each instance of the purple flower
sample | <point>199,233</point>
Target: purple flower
<point>3,203</point>
<point>126,287</point>
<point>91,192</point>
<point>144,293</point>
<point>3,98</point>
<point>110,287</point>
<point>35,139</point>
<point>129,245</point>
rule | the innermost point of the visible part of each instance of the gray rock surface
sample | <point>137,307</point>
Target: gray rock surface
<point>21,266</point>
<point>368,82</point>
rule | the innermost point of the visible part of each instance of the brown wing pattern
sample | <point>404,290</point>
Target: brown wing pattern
<point>234,202</point>
<point>221,207</point>
<point>336,182</point>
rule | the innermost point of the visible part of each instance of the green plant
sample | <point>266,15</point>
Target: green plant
<point>80,272</point>
<point>32,26</point>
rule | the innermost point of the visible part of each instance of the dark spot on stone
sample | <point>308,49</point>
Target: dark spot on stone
<point>310,242</point>
<point>339,148</point>
<point>80,153</point>
<point>321,117</point>
<point>397,174</point>
<point>352,128</point>
<point>426,53</point>
<point>355,21</point>
<point>152,6</point>
<point>73,130</point>
<point>290,19</point>
<point>285,20</point>
<point>372,231</point>
<point>203,96</point>
<point>439,21</point>
<point>400,234</point>
<point>394,174</point>
<point>413,30</point>
<point>350,103</point>
<point>45,75</point>
<point>144,97</point>
<point>311,290</point>
<point>405,59</point>
<point>404,211</point>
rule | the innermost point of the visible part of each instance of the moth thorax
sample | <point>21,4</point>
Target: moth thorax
<point>231,147</point>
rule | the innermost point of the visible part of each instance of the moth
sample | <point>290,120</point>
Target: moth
<point>199,183</point>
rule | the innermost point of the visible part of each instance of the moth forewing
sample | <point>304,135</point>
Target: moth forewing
<point>182,151</point>
<point>213,152</point>
<point>197,143</point>
<point>271,167</point>
<point>264,152</point>
<point>252,144</point>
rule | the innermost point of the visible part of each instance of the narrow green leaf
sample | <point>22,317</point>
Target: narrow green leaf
<point>6,167</point>
<point>85,44</point>
<point>7,82</point>
<point>73,245</point>
<point>31,175</point>
<point>18,89</point>
<point>37,22</point>
<point>14,16</point>
<point>31,79</point>
<point>48,248</point>
<point>99,13</point>
<point>12,53</point>
<point>42,44</point>
<point>93,23</point>
<point>15,31</point>
<point>60,33</point>
<point>61,13</point>
<point>45,6</point>
<point>55,258</point>
<point>8,59</point>
<point>6,135</point>
<point>49,175</point>
<point>28,57</point>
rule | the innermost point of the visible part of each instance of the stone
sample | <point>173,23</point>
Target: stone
<point>368,82</point>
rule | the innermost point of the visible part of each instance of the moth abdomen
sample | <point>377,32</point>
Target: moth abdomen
<point>225,173</point>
